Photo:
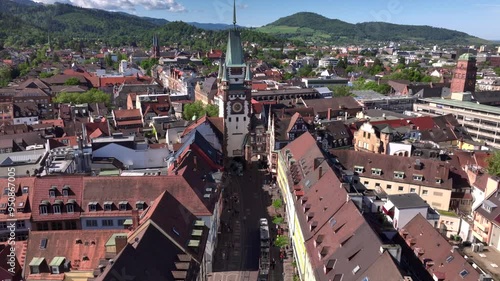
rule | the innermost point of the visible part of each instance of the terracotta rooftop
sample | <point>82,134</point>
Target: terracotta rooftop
<point>434,252</point>
<point>160,249</point>
<point>23,189</point>
<point>430,170</point>
<point>127,114</point>
<point>336,235</point>
<point>66,190</point>
<point>82,248</point>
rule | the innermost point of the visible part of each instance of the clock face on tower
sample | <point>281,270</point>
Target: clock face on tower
<point>237,107</point>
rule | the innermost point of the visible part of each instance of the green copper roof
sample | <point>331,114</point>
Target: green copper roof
<point>234,52</point>
<point>467,56</point>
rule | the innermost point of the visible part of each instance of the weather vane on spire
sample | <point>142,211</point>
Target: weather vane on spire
<point>234,14</point>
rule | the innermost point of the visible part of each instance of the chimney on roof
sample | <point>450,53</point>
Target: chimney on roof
<point>135,218</point>
<point>418,165</point>
<point>329,114</point>
<point>195,162</point>
<point>120,243</point>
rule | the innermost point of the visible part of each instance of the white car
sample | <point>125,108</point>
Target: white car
<point>263,222</point>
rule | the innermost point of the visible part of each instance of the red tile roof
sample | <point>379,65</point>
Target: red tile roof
<point>63,244</point>
<point>23,199</point>
<point>422,123</point>
<point>421,237</point>
<point>41,193</point>
<point>55,122</point>
<point>127,114</point>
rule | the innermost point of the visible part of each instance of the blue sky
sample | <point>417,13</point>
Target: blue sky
<point>480,18</point>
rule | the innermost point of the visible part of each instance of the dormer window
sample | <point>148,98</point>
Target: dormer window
<point>35,265</point>
<point>376,172</point>
<point>56,265</point>
<point>439,180</point>
<point>418,177</point>
<point>6,191</point>
<point>52,192</point>
<point>489,206</point>
<point>92,206</point>
<point>359,169</point>
<point>108,206</point>
<point>65,191</point>
<point>70,208</point>
<point>44,207</point>
<point>25,189</point>
<point>57,207</point>
<point>139,205</point>
<point>399,175</point>
<point>123,205</point>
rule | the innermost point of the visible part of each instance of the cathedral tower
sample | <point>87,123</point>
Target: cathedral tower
<point>235,87</point>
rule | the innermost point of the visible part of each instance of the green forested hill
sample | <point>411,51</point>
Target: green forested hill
<point>69,23</point>
<point>313,27</point>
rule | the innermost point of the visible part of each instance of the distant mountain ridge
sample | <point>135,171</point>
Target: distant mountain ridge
<point>312,26</point>
<point>25,23</point>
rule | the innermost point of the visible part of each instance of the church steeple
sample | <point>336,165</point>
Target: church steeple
<point>234,14</point>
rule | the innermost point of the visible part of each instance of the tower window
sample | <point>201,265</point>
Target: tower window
<point>229,119</point>
<point>237,119</point>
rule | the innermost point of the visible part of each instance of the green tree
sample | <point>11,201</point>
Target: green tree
<point>278,220</point>
<point>90,96</point>
<point>497,70</point>
<point>197,109</point>
<point>402,60</point>
<point>46,74</point>
<point>277,203</point>
<point>281,241</point>
<point>341,91</point>
<point>108,60</point>
<point>306,71</point>
<point>494,164</point>
<point>73,81</point>
<point>5,75</point>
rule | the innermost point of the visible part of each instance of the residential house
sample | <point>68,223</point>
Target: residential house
<point>334,108</point>
<point>66,255</point>
<point>486,227</point>
<point>430,179</point>
<point>330,238</point>
<point>429,256</point>
<point>153,105</point>
<point>127,118</point>
<point>56,203</point>
<point>16,216</point>
<point>194,183</point>
<point>26,113</point>
<point>285,125</point>
<point>205,90</point>
<point>167,244</point>
<point>401,208</point>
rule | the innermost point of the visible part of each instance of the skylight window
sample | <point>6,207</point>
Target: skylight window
<point>356,269</point>
<point>464,273</point>
<point>449,259</point>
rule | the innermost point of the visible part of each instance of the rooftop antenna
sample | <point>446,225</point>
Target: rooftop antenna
<point>234,14</point>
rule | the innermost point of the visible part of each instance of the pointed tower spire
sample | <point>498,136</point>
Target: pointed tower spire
<point>234,14</point>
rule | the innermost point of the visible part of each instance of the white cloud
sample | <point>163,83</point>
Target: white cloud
<point>169,5</point>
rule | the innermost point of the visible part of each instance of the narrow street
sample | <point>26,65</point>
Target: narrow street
<point>237,254</point>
